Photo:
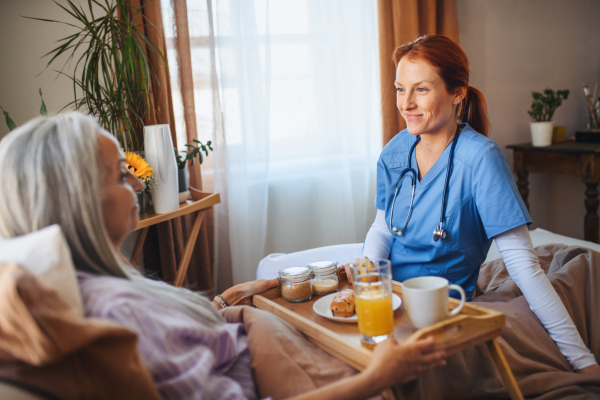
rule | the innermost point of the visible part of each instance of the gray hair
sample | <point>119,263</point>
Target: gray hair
<point>49,174</point>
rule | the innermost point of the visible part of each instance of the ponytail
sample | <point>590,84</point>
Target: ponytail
<point>473,110</point>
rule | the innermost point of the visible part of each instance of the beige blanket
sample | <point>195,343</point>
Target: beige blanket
<point>538,365</point>
<point>284,363</point>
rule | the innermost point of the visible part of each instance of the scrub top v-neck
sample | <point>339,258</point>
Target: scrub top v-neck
<point>483,202</point>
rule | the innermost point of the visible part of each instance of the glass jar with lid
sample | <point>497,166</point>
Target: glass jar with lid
<point>326,279</point>
<point>295,284</point>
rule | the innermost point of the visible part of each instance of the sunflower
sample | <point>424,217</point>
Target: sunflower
<point>137,165</point>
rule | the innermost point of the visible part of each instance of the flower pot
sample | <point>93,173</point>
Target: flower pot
<point>184,192</point>
<point>541,133</point>
<point>143,201</point>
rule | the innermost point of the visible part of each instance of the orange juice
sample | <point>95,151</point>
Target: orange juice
<point>374,312</point>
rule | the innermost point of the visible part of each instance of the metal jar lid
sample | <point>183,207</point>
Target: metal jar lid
<point>324,267</point>
<point>296,274</point>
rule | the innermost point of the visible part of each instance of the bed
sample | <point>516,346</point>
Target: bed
<point>540,237</point>
<point>269,266</point>
<point>539,367</point>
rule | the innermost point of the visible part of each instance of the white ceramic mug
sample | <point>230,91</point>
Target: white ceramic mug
<point>426,300</point>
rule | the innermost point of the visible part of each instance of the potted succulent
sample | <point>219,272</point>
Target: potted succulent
<point>542,110</point>
<point>194,151</point>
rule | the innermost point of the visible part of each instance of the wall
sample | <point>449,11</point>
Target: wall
<point>516,47</point>
<point>22,68</point>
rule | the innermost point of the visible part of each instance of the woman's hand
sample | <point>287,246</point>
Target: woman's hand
<point>394,364</point>
<point>391,364</point>
<point>240,295</point>
<point>592,370</point>
<point>356,261</point>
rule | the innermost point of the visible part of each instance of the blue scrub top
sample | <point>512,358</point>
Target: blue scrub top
<point>483,202</point>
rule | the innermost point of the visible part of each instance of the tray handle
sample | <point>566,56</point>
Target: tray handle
<point>455,335</point>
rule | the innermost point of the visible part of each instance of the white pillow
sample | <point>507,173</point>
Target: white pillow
<point>45,253</point>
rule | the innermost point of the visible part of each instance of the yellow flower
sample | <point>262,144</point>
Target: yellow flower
<point>136,164</point>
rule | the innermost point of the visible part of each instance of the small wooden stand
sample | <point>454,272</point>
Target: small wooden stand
<point>568,158</point>
<point>474,325</point>
<point>200,201</point>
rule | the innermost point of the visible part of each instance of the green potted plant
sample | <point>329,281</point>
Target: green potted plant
<point>194,151</point>
<point>112,78</point>
<point>542,110</point>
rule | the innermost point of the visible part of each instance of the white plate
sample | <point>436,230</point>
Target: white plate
<point>321,307</point>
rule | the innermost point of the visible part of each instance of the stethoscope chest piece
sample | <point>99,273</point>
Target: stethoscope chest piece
<point>439,233</point>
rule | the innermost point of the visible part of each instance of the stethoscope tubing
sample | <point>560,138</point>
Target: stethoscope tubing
<point>439,232</point>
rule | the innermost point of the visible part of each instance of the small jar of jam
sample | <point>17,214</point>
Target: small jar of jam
<point>295,284</point>
<point>326,277</point>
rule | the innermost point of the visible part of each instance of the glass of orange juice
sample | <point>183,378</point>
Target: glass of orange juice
<point>372,283</point>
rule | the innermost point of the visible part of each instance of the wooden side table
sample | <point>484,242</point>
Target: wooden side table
<point>568,158</point>
<point>200,201</point>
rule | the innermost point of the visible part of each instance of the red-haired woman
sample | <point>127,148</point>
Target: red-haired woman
<point>444,191</point>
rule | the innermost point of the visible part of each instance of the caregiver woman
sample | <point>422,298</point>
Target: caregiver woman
<point>445,115</point>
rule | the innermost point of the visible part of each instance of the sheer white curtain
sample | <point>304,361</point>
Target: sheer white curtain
<point>298,92</point>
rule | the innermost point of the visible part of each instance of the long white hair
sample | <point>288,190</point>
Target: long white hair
<point>50,174</point>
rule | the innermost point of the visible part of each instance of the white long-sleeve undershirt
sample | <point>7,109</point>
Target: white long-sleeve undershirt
<point>379,238</point>
<point>523,265</point>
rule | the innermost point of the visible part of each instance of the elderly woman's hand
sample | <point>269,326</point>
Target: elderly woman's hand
<point>394,363</point>
<point>240,295</point>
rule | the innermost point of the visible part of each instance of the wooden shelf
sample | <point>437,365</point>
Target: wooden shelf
<point>206,200</point>
<point>200,201</point>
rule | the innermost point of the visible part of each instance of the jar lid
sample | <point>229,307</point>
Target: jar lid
<point>296,273</point>
<point>323,267</point>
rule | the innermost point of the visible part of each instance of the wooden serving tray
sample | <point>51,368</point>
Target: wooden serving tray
<point>472,326</point>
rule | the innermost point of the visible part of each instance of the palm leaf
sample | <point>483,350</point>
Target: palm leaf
<point>9,122</point>
<point>43,110</point>
<point>112,74</point>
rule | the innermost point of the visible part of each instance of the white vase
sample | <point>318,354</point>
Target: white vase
<point>158,148</point>
<point>541,133</point>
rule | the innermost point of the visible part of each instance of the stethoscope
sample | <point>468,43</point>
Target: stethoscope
<point>439,232</point>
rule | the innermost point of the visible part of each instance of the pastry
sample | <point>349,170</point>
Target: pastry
<point>342,304</point>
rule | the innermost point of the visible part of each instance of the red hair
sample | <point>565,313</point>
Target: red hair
<point>453,67</point>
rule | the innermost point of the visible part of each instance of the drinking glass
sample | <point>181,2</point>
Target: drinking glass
<point>372,283</point>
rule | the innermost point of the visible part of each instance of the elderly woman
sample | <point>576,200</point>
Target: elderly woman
<point>66,170</point>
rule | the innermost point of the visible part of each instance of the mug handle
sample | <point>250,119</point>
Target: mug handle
<point>462,299</point>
